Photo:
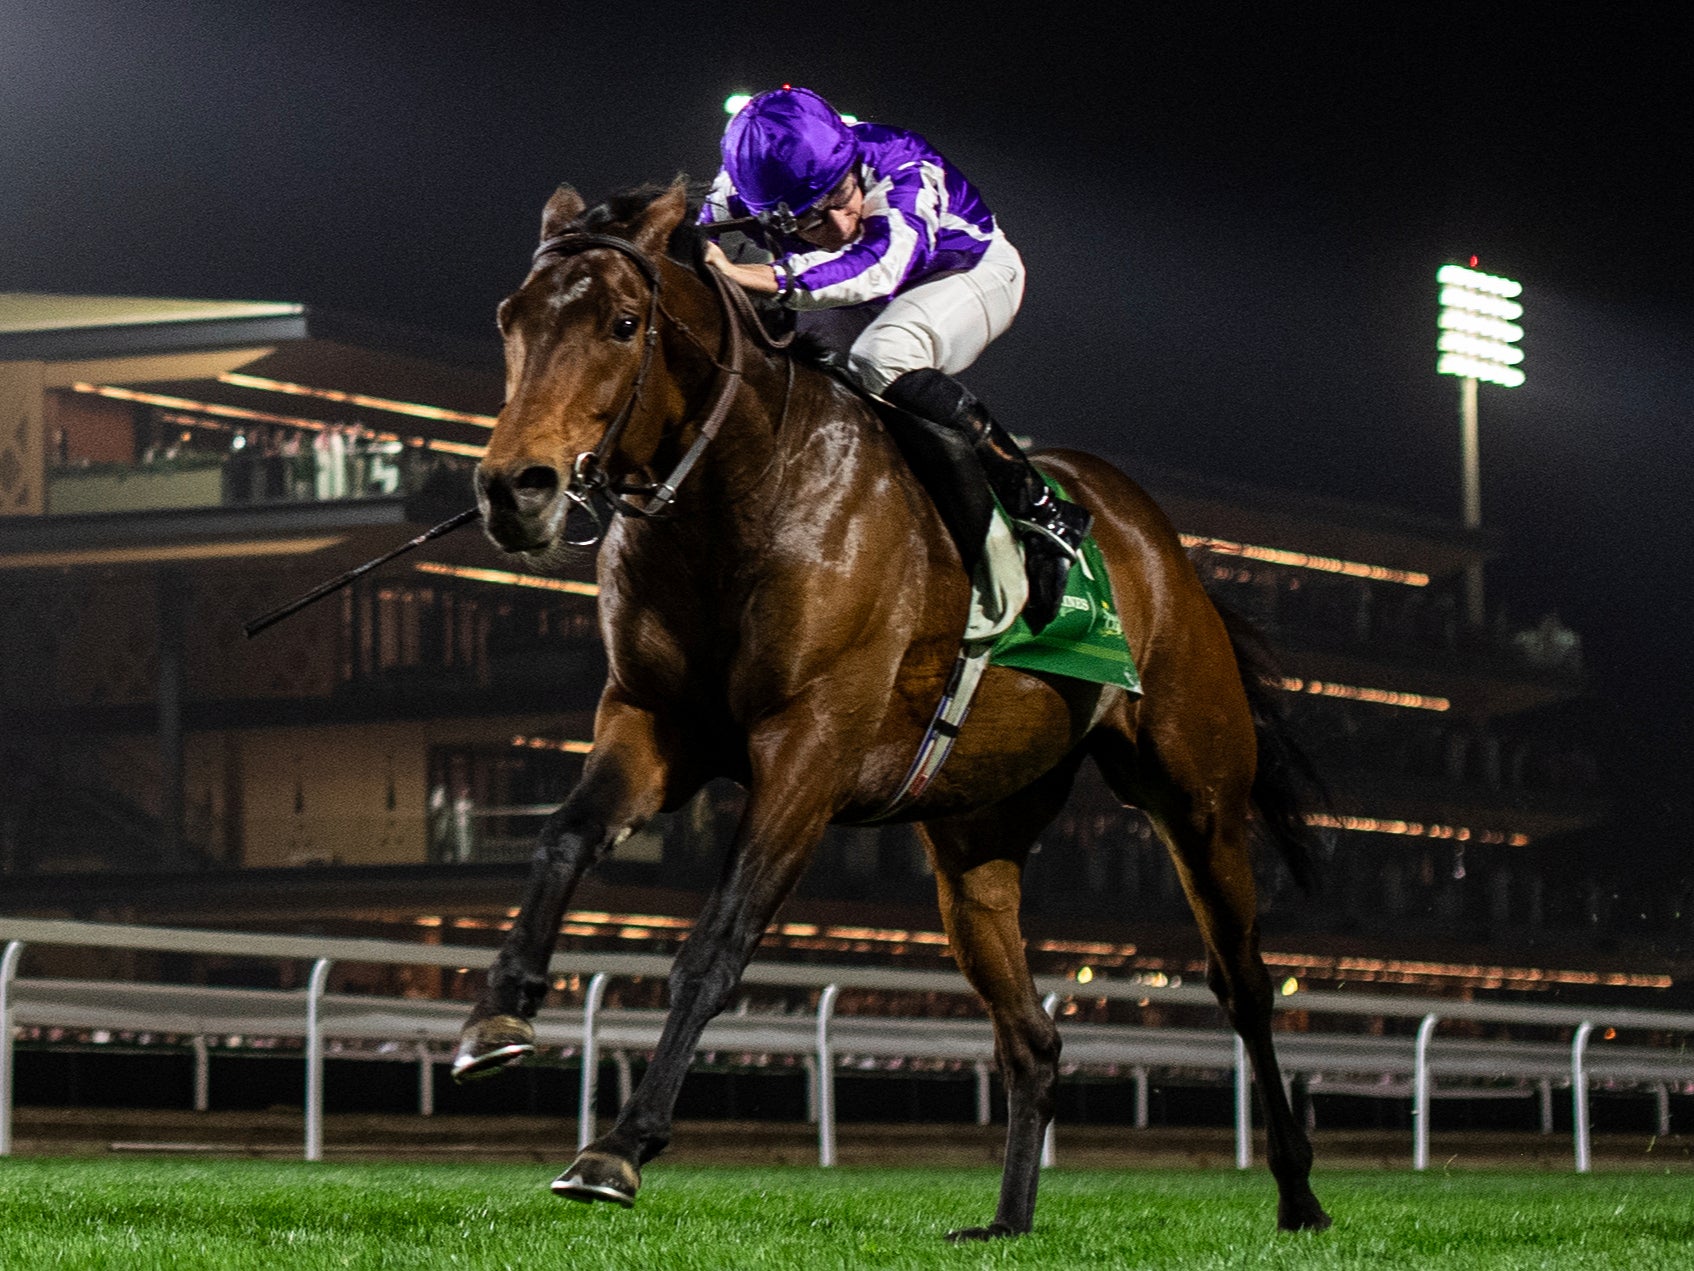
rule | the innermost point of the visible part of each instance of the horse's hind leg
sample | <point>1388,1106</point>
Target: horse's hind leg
<point>1204,824</point>
<point>978,875</point>
<point>621,788</point>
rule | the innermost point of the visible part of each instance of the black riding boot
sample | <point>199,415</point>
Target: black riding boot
<point>1050,528</point>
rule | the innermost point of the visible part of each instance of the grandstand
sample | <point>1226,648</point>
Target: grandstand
<point>376,767</point>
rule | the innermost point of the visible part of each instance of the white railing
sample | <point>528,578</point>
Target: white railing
<point>820,1039</point>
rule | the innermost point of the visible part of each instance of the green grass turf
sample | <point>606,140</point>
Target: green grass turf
<point>138,1214</point>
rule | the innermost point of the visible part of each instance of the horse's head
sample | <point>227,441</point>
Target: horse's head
<point>584,392</point>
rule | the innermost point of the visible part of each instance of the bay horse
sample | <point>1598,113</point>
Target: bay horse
<point>789,622</point>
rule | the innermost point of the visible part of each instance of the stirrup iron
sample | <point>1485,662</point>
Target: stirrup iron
<point>1048,533</point>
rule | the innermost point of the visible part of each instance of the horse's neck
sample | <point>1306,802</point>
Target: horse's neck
<point>794,453</point>
<point>801,530</point>
<point>790,453</point>
<point>725,495</point>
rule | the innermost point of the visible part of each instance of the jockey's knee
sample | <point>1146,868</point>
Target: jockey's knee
<point>870,375</point>
<point>886,351</point>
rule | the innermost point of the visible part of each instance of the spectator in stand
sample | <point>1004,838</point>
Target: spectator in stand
<point>1550,646</point>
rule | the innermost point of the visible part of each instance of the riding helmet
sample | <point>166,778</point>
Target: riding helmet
<point>787,146</point>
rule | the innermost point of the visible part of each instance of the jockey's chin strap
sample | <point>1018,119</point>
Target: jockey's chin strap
<point>589,474</point>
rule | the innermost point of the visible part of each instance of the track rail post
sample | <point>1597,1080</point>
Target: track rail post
<point>8,971</point>
<point>426,1082</point>
<point>826,1075</point>
<point>587,1097</point>
<point>202,1074</point>
<point>1243,1106</point>
<point>1049,1141</point>
<point>626,1077</point>
<point>1420,1093</point>
<point>1579,1094</point>
<point>315,1059</point>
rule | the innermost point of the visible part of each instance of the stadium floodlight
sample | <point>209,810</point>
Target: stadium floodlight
<point>1477,333</point>
<point>1477,326</point>
<point>735,101</point>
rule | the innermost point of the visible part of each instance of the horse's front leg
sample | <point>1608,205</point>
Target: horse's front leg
<point>623,785</point>
<point>778,832</point>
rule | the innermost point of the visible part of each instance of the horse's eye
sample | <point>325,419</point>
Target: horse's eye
<point>624,328</point>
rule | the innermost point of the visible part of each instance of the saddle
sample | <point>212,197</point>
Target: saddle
<point>942,461</point>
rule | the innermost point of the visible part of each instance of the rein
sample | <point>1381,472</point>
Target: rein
<point>589,475</point>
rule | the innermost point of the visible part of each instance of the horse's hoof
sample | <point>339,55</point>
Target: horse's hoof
<point>597,1176</point>
<point>1303,1215</point>
<point>969,1235</point>
<point>489,1044</point>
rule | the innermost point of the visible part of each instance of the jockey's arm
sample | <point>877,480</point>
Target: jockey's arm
<point>758,278</point>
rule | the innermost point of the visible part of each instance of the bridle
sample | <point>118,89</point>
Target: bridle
<point>589,473</point>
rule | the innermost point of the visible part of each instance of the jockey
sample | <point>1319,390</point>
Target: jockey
<point>891,257</point>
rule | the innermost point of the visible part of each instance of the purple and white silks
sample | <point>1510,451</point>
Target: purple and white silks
<point>921,218</point>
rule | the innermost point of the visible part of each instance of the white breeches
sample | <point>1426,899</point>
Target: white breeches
<point>944,322</point>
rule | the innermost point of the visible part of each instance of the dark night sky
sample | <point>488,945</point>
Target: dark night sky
<point>1231,224</point>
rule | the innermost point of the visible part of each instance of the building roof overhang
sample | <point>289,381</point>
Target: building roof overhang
<point>265,361</point>
<point>42,327</point>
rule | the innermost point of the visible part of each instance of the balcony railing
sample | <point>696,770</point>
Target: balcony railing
<point>269,473</point>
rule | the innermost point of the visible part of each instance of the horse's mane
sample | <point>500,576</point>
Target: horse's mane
<point>623,209</point>
<point>686,247</point>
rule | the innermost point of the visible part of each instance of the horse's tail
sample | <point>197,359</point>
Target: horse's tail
<point>1287,788</point>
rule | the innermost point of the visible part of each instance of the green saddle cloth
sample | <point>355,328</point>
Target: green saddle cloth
<point>1086,640</point>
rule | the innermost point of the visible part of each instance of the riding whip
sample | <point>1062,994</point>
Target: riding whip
<point>336,584</point>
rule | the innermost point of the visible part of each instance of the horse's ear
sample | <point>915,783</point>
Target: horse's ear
<point>563,208</point>
<point>661,217</point>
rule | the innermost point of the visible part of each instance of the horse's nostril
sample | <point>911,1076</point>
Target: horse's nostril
<point>533,489</point>
<point>526,494</point>
<point>536,480</point>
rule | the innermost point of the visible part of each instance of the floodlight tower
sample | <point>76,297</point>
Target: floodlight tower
<point>735,101</point>
<point>1477,340</point>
